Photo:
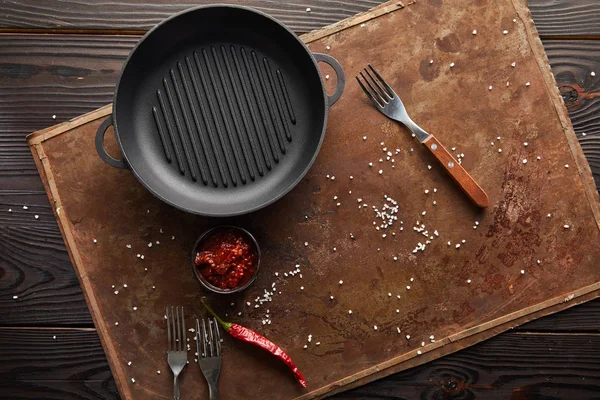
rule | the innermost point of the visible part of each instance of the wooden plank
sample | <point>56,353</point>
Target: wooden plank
<point>73,366</point>
<point>583,318</point>
<point>54,363</point>
<point>135,15</point>
<point>566,18</point>
<point>35,267</point>
<point>559,18</point>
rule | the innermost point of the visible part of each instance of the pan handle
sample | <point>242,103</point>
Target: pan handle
<point>341,78</point>
<point>113,162</point>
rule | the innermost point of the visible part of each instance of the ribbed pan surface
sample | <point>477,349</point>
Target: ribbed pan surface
<point>224,116</point>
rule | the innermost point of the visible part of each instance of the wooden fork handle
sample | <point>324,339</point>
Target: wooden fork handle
<point>457,172</point>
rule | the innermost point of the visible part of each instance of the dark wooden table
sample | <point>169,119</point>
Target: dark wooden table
<point>61,58</point>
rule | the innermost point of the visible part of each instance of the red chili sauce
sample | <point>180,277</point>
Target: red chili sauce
<point>226,259</point>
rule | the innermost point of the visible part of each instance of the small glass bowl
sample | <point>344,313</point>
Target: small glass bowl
<point>207,235</point>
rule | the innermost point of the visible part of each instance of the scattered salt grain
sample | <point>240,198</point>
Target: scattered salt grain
<point>305,244</point>
<point>490,87</point>
<point>129,363</point>
<point>128,246</point>
<point>407,337</point>
<point>469,281</point>
<point>341,282</point>
<point>566,226</point>
<point>566,165</point>
<point>124,285</point>
<point>15,297</point>
<point>474,31</point>
<point>134,308</point>
<point>525,161</point>
<point>419,352</point>
<point>592,73</point>
<point>307,9</point>
<point>25,208</point>
<point>522,272</point>
<point>116,324</point>
<point>158,372</point>
<point>380,171</point>
<point>528,84</point>
<point>452,65</point>
<point>37,216</point>
<point>430,61</point>
<point>349,311</point>
<point>513,64</point>
<point>505,32</point>
<point>116,292</point>
<point>95,241</point>
<point>132,380</point>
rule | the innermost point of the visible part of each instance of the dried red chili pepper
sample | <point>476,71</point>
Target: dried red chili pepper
<point>249,336</point>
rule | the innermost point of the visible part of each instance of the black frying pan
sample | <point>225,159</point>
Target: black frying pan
<point>220,110</point>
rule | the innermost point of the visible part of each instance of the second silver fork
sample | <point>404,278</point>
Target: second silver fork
<point>208,344</point>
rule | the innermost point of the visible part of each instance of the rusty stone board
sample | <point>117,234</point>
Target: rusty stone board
<point>461,296</point>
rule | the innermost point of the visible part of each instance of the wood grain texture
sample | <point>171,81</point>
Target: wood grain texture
<point>509,366</point>
<point>138,15</point>
<point>565,366</point>
<point>564,18</point>
<point>552,17</point>
<point>457,172</point>
<point>53,364</point>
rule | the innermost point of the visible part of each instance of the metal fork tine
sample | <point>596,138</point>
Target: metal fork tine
<point>380,99</point>
<point>168,330</point>
<point>381,90</point>
<point>212,338</point>
<point>217,336</point>
<point>390,91</point>
<point>369,95</point>
<point>177,325</point>
<point>198,338</point>
<point>183,335</point>
<point>204,348</point>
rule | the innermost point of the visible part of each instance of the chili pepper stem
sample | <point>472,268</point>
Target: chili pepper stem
<point>225,325</point>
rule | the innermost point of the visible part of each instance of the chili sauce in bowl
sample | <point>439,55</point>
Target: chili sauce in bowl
<point>225,259</point>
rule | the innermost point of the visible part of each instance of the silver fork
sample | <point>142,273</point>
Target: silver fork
<point>209,355</point>
<point>177,352</point>
<point>389,104</point>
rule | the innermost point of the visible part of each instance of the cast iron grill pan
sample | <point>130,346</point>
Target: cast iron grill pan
<point>220,110</point>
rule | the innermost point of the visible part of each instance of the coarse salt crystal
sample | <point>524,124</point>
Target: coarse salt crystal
<point>407,337</point>
<point>349,311</point>
<point>419,352</point>
<point>132,380</point>
<point>129,363</point>
<point>25,208</point>
<point>566,226</point>
<point>525,161</point>
<point>116,292</point>
<point>128,246</point>
<point>36,216</point>
<point>307,9</point>
<point>15,297</point>
<point>469,281</point>
<point>566,165</point>
<point>380,171</point>
<point>95,241</point>
<point>528,84</point>
<point>430,61</point>
<point>490,87</point>
<point>134,308</point>
<point>592,73</point>
<point>522,272</point>
<point>458,245</point>
<point>116,324</point>
<point>505,32</point>
<point>341,282</point>
<point>408,287</point>
<point>305,244</point>
<point>474,31</point>
<point>452,65</point>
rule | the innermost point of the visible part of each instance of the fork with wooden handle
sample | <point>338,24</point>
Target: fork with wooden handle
<point>389,104</point>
